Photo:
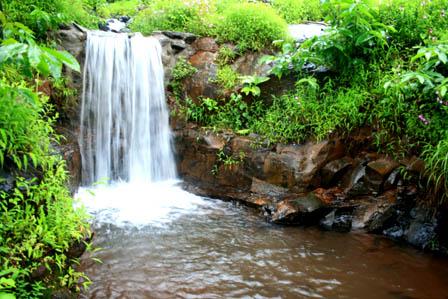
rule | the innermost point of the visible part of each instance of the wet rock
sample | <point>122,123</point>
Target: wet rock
<point>392,180</point>
<point>356,184</point>
<point>268,190</point>
<point>394,232</point>
<point>337,221</point>
<point>332,172</point>
<point>187,37</point>
<point>421,234</point>
<point>414,164</point>
<point>382,167</point>
<point>421,231</point>
<point>372,213</point>
<point>306,209</point>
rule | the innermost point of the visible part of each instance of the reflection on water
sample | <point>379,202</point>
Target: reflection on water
<point>221,250</point>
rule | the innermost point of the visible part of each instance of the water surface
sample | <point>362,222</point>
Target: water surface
<point>205,248</point>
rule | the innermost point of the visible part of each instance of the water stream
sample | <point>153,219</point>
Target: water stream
<point>159,241</point>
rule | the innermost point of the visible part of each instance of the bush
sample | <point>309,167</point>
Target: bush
<point>120,8</point>
<point>252,26</point>
<point>43,15</point>
<point>296,11</point>
<point>414,21</point>
<point>172,15</point>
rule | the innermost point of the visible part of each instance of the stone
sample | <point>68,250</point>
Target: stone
<point>260,187</point>
<point>302,32</point>
<point>333,171</point>
<point>187,37</point>
<point>178,45</point>
<point>214,141</point>
<point>296,166</point>
<point>383,166</point>
<point>392,180</point>
<point>421,234</point>
<point>201,83</point>
<point>206,44</point>
<point>337,220</point>
<point>372,213</point>
<point>300,210</point>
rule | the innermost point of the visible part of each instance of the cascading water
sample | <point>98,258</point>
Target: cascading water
<point>125,137</point>
<point>125,133</point>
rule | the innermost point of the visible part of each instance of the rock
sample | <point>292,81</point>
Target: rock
<point>337,220</point>
<point>300,210</point>
<point>260,187</point>
<point>7,181</point>
<point>178,45</point>
<point>296,166</point>
<point>420,234</point>
<point>248,64</point>
<point>392,180</point>
<point>414,164</point>
<point>356,184</point>
<point>372,213</point>
<point>332,172</point>
<point>206,44</point>
<point>383,166</point>
<point>302,32</point>
<point>394,232</point>
<point>187,37</point>
<point>201,83</point>
<point>214,141</point>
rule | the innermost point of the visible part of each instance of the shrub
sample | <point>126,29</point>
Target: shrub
<point>252,26</point>
<point>172,15</point>
<point>120,8</point>
<point>296,11</point>
<point>226,77</point>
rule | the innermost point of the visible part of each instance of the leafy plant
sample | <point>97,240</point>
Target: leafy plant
<point>252,26</point>
<point>173,15</point>
<point>297,11</point>
<point>226,77</point>
<point>250,84</point>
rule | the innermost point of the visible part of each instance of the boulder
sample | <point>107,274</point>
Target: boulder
<point>307,209</point>
<point>333,171</point>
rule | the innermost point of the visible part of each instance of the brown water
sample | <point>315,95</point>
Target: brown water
<point>221,250</point>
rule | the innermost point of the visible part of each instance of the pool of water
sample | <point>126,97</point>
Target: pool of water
<point>206,248</point>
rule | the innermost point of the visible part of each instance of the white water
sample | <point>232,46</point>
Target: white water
<point>125,134</point>
<point>125,137</point>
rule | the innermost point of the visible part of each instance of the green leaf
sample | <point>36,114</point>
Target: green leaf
<point>64,57</point>
<point>7,296</point>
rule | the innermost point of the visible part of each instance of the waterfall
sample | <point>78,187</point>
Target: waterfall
<point>125,133</point>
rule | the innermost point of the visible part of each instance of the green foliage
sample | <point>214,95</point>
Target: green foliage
<point>250,85</point>
<point>252,26</point>
<point>297,11</point>
<point>225,55</point>
<point>173,15</point>
<point>120,8</point>
<point>26,55</point>
<point>44,15</point>
<point>300,115</point>
<point>436,159</point>
<point>38,223</point>
<point>182,70</point>
<point>414,21</point>
<point>354,39</point>
<point>226,77</point>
